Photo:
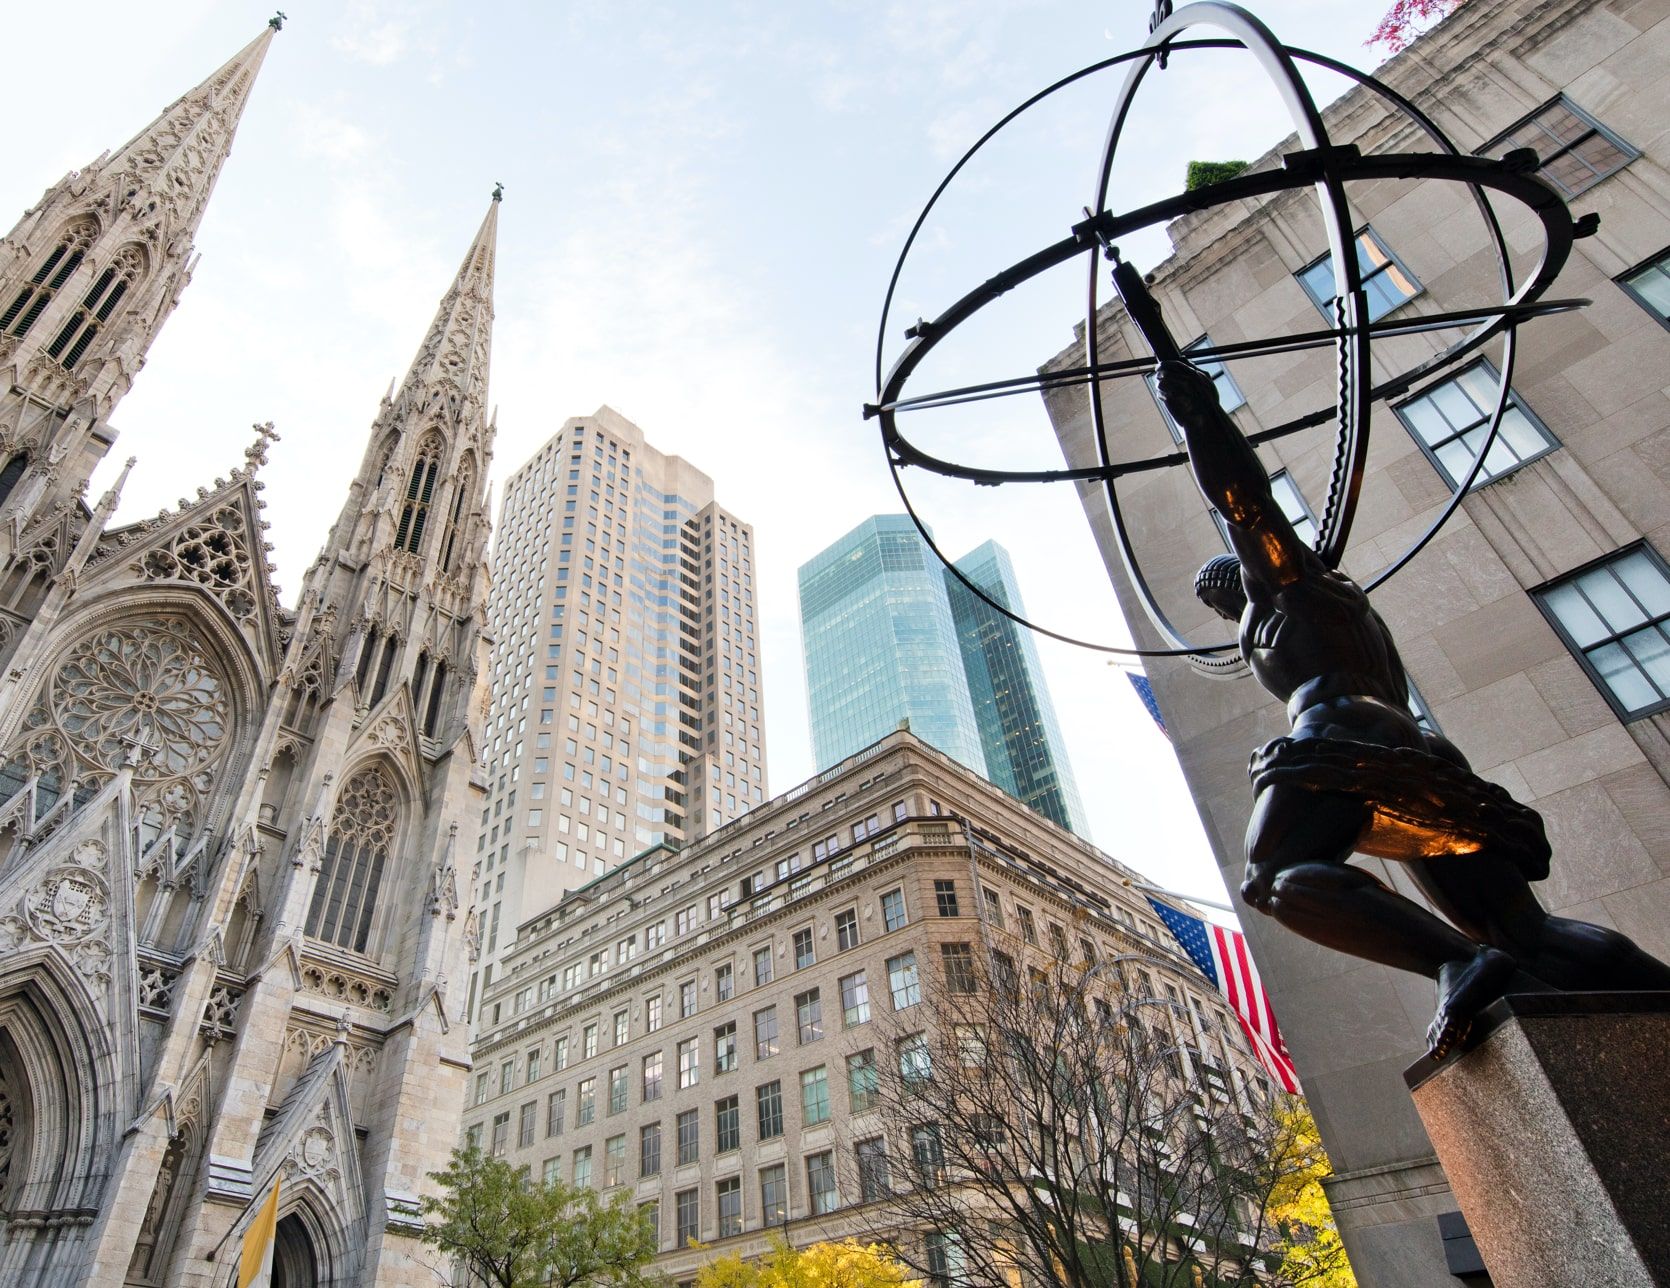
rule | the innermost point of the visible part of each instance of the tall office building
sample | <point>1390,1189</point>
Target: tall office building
<point>1533,624</point>
<point>626,694</point>
<point>890,637</point>
<point>1025,754</point>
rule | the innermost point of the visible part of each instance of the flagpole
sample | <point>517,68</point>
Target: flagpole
<point>1181,898</point>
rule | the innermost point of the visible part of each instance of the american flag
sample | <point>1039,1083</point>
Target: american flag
<point>1223,957</point>
<point>1145,691</point>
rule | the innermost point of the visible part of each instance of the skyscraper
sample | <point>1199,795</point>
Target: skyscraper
<point>626,693</point>
<point>230,897</point>
<point>1025,754</point>
<point>890,636</point>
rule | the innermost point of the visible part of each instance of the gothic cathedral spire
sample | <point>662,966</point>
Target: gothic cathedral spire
<point>87,278</point>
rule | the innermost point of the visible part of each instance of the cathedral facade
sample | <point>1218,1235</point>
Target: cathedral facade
<point>231,938</point>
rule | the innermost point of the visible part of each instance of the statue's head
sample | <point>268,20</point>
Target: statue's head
<point>1218,586</point>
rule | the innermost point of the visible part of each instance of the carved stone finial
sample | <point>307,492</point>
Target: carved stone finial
<point>344,1026</point>
<point>256,452</point>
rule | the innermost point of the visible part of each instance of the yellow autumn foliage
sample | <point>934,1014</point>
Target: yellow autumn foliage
<point>844,1264</point>
<point>1312,1254</point>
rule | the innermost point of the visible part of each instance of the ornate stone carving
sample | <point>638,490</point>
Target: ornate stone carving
<point>215,554</point>
<point>69,905</point>
<point>342,986</point>
<point>156,989</point>
<point>220,1012</point>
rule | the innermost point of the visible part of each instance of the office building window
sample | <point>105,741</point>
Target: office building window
<point>617,1090</point>
<point>945,898</point>
<point>1385,281</point>
<point>1613,616</point>
<point>582,1166</point>
<point>762,966</point>
<point>652,1077</point>
<point>804,953</point>
<point>855,999</point>
<point>874,1183</point>
<point>863,1081</point>
<point>649,1149</point>
<point>846,929</point>
<point>686,1218</point>
<point>958,960</point>
<point>689,1137</point>
<point>814,1096</point>
<point>729,1193</point>
<point>820,1182</point>
<point>689,1063</point>
<point>1649,285</point>
<point>1229,393</point>
<point>808,1012</point>
<point>614,1161</point>
<point>893,909</point>
<point>1450,419</point>
<point>725,1056</point>
<point>1576,150</point>
<point>527,1123</point>
<point>774,1195</point>
<point>902,979</point>
<point>768,1100</point>
<point>727,1125</point>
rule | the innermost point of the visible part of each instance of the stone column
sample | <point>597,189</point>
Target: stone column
<point>1554,1129</point>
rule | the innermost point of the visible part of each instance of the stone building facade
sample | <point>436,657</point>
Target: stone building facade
<point>693,1028</point>
<point>230,906</point>
<point>1531,626</point>
<point>626,694</point>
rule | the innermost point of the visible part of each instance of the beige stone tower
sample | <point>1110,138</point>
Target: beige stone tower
<point>231,943</point>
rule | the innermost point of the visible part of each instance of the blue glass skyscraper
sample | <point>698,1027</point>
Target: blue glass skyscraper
<point>890,636</point>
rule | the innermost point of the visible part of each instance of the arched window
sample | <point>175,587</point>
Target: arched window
<point>390,649</point>
<point>451,544</point>
<point>437,691</point>
<point>55,270</point>
<point>420,490</point>
<point>368,650</point>
<point>419,674</point>
<point>97,306</point>
<point>361,836</point>
<point>12,472</point>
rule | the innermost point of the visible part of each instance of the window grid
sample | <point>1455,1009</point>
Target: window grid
<point>1576,150</point>
<point>1449,421</point>
<point>1386,282</point>
<point>1613,616</point>
<point>1648,285</point>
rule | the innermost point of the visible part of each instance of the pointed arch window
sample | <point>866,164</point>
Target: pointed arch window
<point>391,648</point>
<point>356,854</point>
<point>368,650</point>
<point>11,473</point>
<point>97,307</point>
<point>56,269</point>
<point>420,491</point>
<point>451,543</point>
<point>437,692</point>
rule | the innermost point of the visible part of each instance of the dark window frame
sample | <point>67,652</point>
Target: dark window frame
<point>1515,401</point>
<point>1660,261</point>
<point>1580,654</point>
<point>1630,152</point>
<point>1325,306</point>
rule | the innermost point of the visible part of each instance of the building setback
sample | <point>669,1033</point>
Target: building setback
<point>891,638</point>
<point>1534,626</point>
<point>694,1028</point>
<point>626,709</point>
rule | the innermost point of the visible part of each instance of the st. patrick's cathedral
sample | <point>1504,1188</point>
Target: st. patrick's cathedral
<point>231,938</point>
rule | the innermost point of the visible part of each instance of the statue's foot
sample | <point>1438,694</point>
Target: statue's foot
<point>1465,989</point>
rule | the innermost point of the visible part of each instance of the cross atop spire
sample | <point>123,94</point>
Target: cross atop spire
<point>454,358</point>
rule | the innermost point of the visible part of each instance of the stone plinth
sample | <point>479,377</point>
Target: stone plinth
<point>1554,1128</point>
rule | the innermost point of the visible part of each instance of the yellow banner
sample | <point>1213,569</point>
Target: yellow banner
<point>258,1239</point>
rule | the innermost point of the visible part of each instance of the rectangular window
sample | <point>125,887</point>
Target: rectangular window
<point>689,1137</point>
<point>1029,928</point>
<point>808,1014</point>
<point>507,1077</point>
<point>527,1122</point>
<point>649,1149</point>
<point>804,953</point>
<point>774,1195</point>
<point>1385,281</point>
<point>614,1160</point>
<point>588,1036</point>
<point>1229,393</point>
<point>820,1182</point>
<point>893,909</point>
<point>1615,616</point>
<point>533,1065</point>
<point>855,999</point>
<point>846,929</point>
<point>617,1089</point>
<point>945,898</point>
<point>729,1193</point>
<point>1576,150</point>
<point>994,908</point>
<point>916,1062</point>
<point>727,1125</point>
<point>652,1077</point>
<point>902,979</point>
<point>686,1218</point>
<point>689,1063</point>
<point>553,1171</point>
<point>650,1214</point>
<point>768,1100</point>
<point>725,1056</point>
<point>863,1081</point>
<point>814,1096</point>
<point>554,1112</point>
<point>765,1033</point>
<point>946,1261</point>
<point>724,983</point>
<point>582,1166</point>
<point>652,1014</point>
<point>928,1154</point>
<point>958,960</point>
<point>874,1183</point>
<point>1450,419</point>
<point>762,966</point>
<point>1649,285</point>
<point>585,1109</point>
<point>483,1087</point>
<point>623,1026</point>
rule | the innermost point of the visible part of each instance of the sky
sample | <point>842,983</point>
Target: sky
<point>703,205</point>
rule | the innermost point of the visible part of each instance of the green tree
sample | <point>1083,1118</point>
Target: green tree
<point>1202,173</point>
<point>508,1230</point>
<point>1311,1251</point>
<point>845,1264</point>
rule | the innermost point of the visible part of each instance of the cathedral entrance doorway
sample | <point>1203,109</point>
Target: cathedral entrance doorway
<point>294,1265</point>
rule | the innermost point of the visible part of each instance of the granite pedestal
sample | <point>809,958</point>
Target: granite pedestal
<point>1553,1125</point>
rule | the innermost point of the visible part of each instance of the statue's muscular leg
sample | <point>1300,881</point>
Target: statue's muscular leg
<point>1489,898</point>
<point>1298,842</point>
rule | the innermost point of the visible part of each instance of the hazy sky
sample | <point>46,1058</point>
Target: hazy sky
<point>703,203</point>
